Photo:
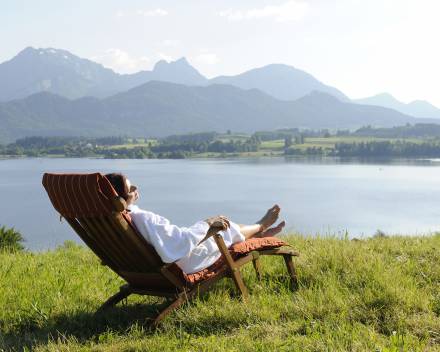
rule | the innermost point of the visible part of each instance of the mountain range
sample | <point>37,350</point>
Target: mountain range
<point>417,108</point>
<point>60,72</point>
<point>163,108</point>
<point>53,92</point>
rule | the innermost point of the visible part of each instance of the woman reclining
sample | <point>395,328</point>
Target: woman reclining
<point>184,245</point>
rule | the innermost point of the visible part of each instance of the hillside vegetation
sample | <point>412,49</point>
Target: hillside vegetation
<point>376,294</point>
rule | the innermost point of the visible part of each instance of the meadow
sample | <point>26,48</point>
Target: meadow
<point>377,294</point>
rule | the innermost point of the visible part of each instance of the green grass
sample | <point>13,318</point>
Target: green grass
<point>273,145</point>
<point>377,294</point>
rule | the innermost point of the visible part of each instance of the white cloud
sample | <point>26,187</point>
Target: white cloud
<point>207,58</point>
<point>120,61</point>
<point>292,10</point>
<point>152,13</point>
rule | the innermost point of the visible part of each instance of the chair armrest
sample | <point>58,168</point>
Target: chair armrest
<point>225,251</point>
<point>214,231</point>
<point>211,232</point>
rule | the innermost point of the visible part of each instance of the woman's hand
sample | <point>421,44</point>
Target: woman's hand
<point>133,195</point>
<point>221,222</point>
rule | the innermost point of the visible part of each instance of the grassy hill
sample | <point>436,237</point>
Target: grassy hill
<point>376,294</point>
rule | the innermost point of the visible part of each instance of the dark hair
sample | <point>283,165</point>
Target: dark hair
<point>119,183</point>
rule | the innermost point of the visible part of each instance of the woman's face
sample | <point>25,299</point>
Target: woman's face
<point>133,194</point>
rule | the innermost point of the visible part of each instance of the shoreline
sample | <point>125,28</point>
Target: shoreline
<point>318,158</point>
<point>330,236</point>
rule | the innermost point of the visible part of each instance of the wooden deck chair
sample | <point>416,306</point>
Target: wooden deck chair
<point>93,209</point>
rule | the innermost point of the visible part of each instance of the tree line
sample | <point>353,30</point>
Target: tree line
<point>175,147</point>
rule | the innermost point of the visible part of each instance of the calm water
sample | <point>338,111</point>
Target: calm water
<point>316,197</point>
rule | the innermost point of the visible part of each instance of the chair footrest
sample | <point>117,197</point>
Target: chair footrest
<point>279,251</point>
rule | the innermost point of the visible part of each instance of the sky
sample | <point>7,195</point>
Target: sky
<point>360,47</point>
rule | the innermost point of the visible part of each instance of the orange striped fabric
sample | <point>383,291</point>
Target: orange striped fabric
<point>256,244</point>
<point>237,250</point>
<point>80,195</point>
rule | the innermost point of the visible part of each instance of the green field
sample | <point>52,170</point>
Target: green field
<point>380,294</point>
<point>142,143</point>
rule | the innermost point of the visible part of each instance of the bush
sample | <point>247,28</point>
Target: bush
<point>10,240</point>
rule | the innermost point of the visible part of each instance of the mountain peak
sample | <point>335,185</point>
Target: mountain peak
<point>419,102</point>
<point>182,60</point>
<point>382,99</point>
<point>162,64</point>
<point>281,81</point>
<point>27,50</point>
<point>179,71</point>
<point>387,96</point>
<point>51,53</point>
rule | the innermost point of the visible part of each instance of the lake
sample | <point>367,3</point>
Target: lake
<point>324,196</point>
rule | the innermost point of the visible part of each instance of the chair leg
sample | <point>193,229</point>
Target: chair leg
<point>291,270</point>
<point>257,267</point>
<point>239,283</point>
<point>174,305</point>
<point>124,292</point>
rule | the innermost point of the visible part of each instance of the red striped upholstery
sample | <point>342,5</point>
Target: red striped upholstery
<point>80,195</point>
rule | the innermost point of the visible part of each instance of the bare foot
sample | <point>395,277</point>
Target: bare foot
<point>269,218</point>
<point>271,232</point>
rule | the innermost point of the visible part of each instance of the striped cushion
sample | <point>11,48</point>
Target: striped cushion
<point>237,250</point>
<point>80,195</point>
<point>256,244</point>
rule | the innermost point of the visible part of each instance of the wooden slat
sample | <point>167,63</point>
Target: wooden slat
<point>131,254</point>
<point>131,258</point>
<point>243,260</point>
<point>142,261</point>
<point>108,240</point>
<point>76,225</point>
<point>101,240</point>
<point>121,226</point>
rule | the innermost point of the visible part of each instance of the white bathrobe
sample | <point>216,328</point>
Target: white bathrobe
<point>179,244</point>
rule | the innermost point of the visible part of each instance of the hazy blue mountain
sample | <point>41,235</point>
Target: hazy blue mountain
<point>327,111</point>
<point>422,108</point>
<point>417,108</point>
<point>280,81</point>
<point>55,71</point>
<point>62,73</point>
<point>162,108</point>
<point>179,71</point>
